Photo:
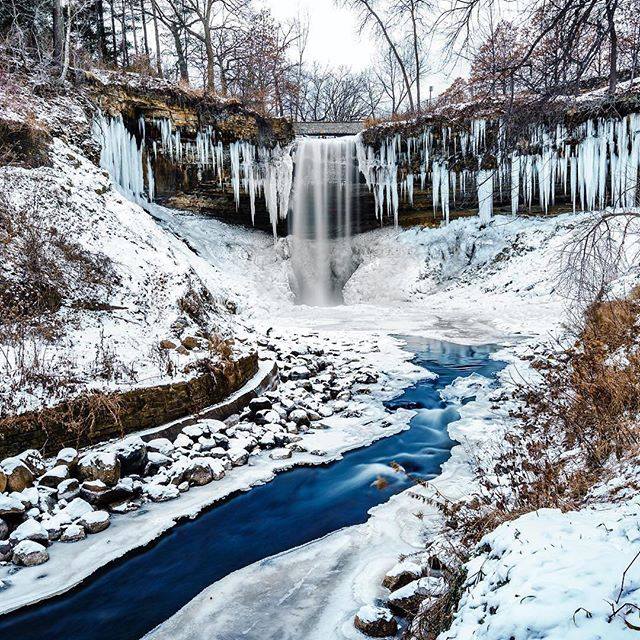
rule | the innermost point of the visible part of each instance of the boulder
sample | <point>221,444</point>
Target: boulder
<point>266,416</point>
<point>34,460</point>
<point>55,476</point>
<point>68,489</point>
<point>199,473</point>
<point>77,508</point>
<point>214,427</point>
<point>407,599</point>
<point>401,575</point>
<point>29,530</point>
<point>4,530</point>
<point>3,480</point>
<point>29,553</point>
<point>259,404</point>
<point>47,499</point>
<point>161,445</point>
<point>6,550</point>
<point>96,493</point>
<point>280,454</point>
<point>193,431</point>
<point>206,444</point>
<point>103,466</point>
<point>95,521</point>
<point>376,622</point>
<point>268,440</point>
<point>10,505</point>
<point>167,344</point>
<point>132,454</point>
<point>56,524</point>
<point>73,533</point>
<point>183,441</point>
<point>19,476</point>
<point>67,456</point>
<point>161,493</point>
<point>156,461</point>
<point>30,496</point>
<point>190,343</point>
<point>299,416</point>
<point>299,373</point>
<point>238,456</point>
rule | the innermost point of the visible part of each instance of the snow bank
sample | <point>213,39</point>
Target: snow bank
<point>554,575</point>
<point>151,271</point>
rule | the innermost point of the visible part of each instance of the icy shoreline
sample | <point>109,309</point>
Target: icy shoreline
<point>71,565</point>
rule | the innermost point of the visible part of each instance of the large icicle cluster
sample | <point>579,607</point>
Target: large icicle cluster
<point>595,163</point>
<point>257,170</point>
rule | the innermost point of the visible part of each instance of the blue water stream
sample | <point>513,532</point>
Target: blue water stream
<point>127,599</point>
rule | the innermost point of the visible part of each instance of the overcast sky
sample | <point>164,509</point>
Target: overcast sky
<point>334,38</point>
<point>333,35</point>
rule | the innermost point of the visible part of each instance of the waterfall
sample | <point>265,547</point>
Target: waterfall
<point>324,207</point>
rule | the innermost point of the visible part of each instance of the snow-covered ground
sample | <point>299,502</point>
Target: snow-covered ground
<point>471,283</point>
<point>113,319</point>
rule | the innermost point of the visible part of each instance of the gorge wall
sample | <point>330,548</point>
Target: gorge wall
<point>522,157</point>
<point>189,151</point>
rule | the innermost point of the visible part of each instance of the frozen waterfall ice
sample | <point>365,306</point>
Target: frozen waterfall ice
<point>323,209</point>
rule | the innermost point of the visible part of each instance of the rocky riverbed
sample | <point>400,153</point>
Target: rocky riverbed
<point>77,493</point>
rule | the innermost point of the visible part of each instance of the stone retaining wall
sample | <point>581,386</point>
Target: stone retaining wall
<point>93,418</point>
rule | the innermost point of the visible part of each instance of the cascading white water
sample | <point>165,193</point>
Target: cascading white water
<point>325,183</point>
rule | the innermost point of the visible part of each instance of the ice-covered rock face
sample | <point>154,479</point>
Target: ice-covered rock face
<point>594,164</point>
<point>130,157</point>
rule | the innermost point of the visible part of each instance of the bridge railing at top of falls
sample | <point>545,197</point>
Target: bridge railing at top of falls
<point>332,129</point>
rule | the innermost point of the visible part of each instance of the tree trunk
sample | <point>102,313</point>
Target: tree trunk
<point>182,62</point>
<point>157,37</point>
<point>67,47</point>
<point>125,48</point>
<point>211,62</point>
<point>58,33</point>
<point>134,28</point>
<point>612,5</point>
<point>113,33</point>
<point>416,52</point>
<point>145,35</point>
<point>102,38</point>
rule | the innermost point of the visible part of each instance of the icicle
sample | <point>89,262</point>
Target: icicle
<point>515,182</point>
<point>485,194</point>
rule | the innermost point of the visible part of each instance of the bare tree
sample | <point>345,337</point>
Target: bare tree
<point>411,16</point>
<point>371,17</point>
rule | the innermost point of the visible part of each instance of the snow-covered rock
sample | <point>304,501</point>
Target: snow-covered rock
<point>100,465</point>
<point>77,508</point>
<point>161,493</point>
<point>73,533</point>
<point>55,476</point>
<point>18,475</point>
<point>28,553</point>
<point>68,456</point>
<point>95,521</point>
<point>375,622</point>
<point>30,529</point>
<point>68,489</point>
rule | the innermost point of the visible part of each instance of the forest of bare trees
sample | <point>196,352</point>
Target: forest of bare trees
<point>235,48</point>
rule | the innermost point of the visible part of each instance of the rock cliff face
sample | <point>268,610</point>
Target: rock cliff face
<point>186,150</point>
<point>522,157</point>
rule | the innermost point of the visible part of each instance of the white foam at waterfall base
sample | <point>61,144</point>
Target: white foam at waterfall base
<point>326,172</point>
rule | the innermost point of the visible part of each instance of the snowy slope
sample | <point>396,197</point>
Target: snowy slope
<point>122,322</point>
